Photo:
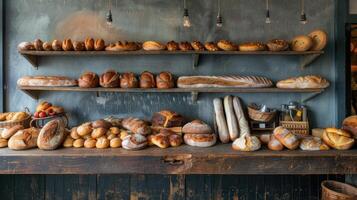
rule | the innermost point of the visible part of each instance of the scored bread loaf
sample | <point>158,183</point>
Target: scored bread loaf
<point>47,81</point>
<point>303,82</point>
<point>287,138</point>
<point>24,139</point>
<point>223,81</point>
<point>136,125</point>
<point>51,135</point>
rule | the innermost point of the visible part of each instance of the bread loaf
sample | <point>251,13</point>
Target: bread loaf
<point>67,45</point>
<point>242,121</point>
<point>288,139</point>
<point>232,121</point>
<point>51,135</point>
<point>221,120</point>
<point>99,45</point>
<point>172,46</point>
<point>24,139</point>
<point>3,142</point>
<point>57,45</point>
<point>161,140</point>
<point>301,43</point>
<point>88,80</point>
<point>47,81</point>
<point>197,46</point>
<point>200,140</point>
<point>304,82</point>
<point>277,45</point>
<point>165,80</point>
<point>136,125</point>
<point>9,132</point>
<point>274,144</point>
<point>89,44</point>
<point>153,46</point>
<point>129,80</point>
<point>350,124</point>
<point>175,140</point>
<point>226,45</point>
<point>211,46</point>
<point>319,40</point>
<point>338,138</point>
<point>185,46</point>
<point>115,143</point>
<point>252,46</point>
<point>264,138</point>
<point>68,142</point>
<point>167,119</point>
<point>38,45</point>
<point>134,142</point>
<point>101,123</point>
<point>313,144</point>
<point>246,143</point>
<point>110,79</point>
<point>79,46</point>
<point>47,46</point>
<point>223,82</point>
<point>102,143</point>
<point>197,127</point>
<point>26,46</point>
<point>147,80</point>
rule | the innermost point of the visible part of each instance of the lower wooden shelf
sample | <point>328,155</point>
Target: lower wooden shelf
<point>220,159</point>
<point>34,92</point>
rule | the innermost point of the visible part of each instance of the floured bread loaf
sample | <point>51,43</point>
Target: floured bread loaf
<point>223,81</point>
<point>303,82</point>
<point>46,81</point>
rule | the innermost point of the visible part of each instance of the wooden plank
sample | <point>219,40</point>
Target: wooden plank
<point>2,52</point>
<point>113,186</point>
<point>54,187</point>
<point>80,187</point>
<point>220,159</point>
<point>198,187</point>
<point>7,187</point>
<point>29,187</point>
<point>149,187</point>
<point>177,187</point>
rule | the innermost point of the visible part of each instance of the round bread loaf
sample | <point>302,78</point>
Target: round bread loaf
<point>89,44</point>
<point>161,140</point>
<point>57,45</point>
<point>301,43</point>
<point>51,135</point>
<point>79,46</point>
<point>197,46</point>
<point>99,45</point>
<point>110,79</point>
<point>78,143</point>
<point>277,45</point>
<point>338,138</point>
<point>88,80</point>
<point>38,45</point>
<point>274,144</point>
<point>172,46</point>
<point>24,139</point>
<point>200,140</point>
<point>197,127</point>
<point>165,80</point>
<point>313,144</point>
<point>319,40</point>
<point>175,140</point>
<point>350,124</point>
<point>147,80</point>
<point>129,80</point>
<point>226,45</point>
<point>134,142</point>
<point>26,46</point>
<point>115,143</point>
<point>246,143</point>
<point>47,46</point>
<point>90,143</point>
<point>211,46</point>
<point>67,45</point>
<point>185,46</point>
<point>68,142</point>
<point>102,143</point>
<point>101,123</point>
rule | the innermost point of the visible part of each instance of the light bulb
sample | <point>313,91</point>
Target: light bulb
<point>267,19</point>
<point>219,21</point>
<point>186,19</point>
<point>303,19</point>
<point>109,18</point>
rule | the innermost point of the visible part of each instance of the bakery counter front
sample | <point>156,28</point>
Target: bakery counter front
<point>219,159</point>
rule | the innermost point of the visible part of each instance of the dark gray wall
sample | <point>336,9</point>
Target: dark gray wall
<point>161,20</point>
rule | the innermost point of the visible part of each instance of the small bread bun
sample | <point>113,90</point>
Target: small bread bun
<point>172,46</point>
<point>38,44</point>
<point>200,140</point>
<point>153,46</point>
<point>111,136</point>
<point>123,134</point>
<point>57,45</point>
<point>78,143</point>
<point>115,143</point>
<point>274,144</point>
<point>114,130</point>
<point>246,143</point>
<point>301,43</point>
<point>98,132</point>
<point>277,45</point>
<point>47,46</point>
<point>160,140</point>
<point>67,45</point>
<point>89,44</point>
<point>264,138</point>
<point>99,45</point>
<point>197,46</point>
<point>175,140</point>
<point>90,143</point>
<point>79,46</point>
<point>74,133</point>
<point>226,45</point>
<point>185,46</point>
<point>102,143</point>
<point>88,80</point>
<point>68,142</point>
<point>252,46</point>
<point>211,46</point>
<point>3,142</point>
<point>84,129</point>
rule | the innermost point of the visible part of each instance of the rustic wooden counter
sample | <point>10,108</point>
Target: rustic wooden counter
<point>220,159</point>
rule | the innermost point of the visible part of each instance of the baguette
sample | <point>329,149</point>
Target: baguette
<point>242,121</point>
<point>223,81</point>
<point>231,118</point>
<point>221,120</point>
<point>48,81</point>
<point>310,81</point>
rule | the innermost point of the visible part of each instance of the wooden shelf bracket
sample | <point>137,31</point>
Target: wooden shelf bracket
<point>311,96</point>
<point>32,59</point>
<point>195,60</point>
<point>194,96</point>
<point>306,60</point>
<point>33,94</point>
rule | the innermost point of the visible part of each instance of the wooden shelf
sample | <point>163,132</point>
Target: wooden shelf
<point>33,56</point>
<point>219,159</point>
<point>34,92</point>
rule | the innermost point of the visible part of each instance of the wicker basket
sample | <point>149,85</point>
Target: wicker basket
<point>256,115</point>
<point>25,122</point>
<point>333,190</point>
<point>299,128</point>
<point>40,122</point>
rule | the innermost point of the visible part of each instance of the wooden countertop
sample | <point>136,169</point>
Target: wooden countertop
<point>220,159</point>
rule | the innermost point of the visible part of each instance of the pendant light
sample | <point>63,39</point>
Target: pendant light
<point>219,17</point>
<point>109,16</point>
<point>303,19</point>
<point>186,19</point>
<point>267,15</point>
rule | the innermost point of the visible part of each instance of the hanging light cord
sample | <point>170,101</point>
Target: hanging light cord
<point>302,7</point>
<point>267,4</point>
<point>219,8</point>
<point>184,5</point>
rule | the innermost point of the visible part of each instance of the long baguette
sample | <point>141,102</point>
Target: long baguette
<point>242,121</point>
<point>221,120</point>
<point>223,81</point>
<point>231,118</point>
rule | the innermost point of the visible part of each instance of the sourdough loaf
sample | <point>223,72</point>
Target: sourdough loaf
<point>223,81</point>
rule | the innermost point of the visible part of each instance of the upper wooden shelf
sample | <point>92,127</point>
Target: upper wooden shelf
<point>34,92</point>
<point>219,159</point>
<point>307,57</point>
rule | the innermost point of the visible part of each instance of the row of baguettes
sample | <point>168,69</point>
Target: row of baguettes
<point>302,82</point>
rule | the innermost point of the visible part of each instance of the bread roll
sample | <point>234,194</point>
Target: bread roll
<point>48,81</point>
<point>165,80</point>
<point>264,138</point>
<point>232,121</point>
<point>47,46</point>
<point>116,122</point>
<point>274,144</point>
<point>38,44</point>
<point>101,123</point>
<point>78,143</point>
<point>111,136</point>
<point>167,119</point>
<point>246,143</point>
<point>350,124</point>
<point>24,139</point>
<point>226,45</point>
<point>301,43</point>
<point>175,140</point>
<point>338,138</point>
<point>319,40</point>
<point>79,46</point>
<point>185,46</point>
<point>277,45</point>
<point>313,144</point>
<point>115,143</point>
<point>90,143</point>
<point>68,142</point>
<point>123,134</point>
<point>304,82</point>
<point>147,80</point>
<point>223,82</point>
<point>288,139</point>
<point>123,46</point>
<point>197,46</point>
<point>128,80</point>
<point>88,80</point>
<point>114,130</point>
<point>3,142</point>
<point>9,132</point>
<point>197,127</point>
<point>153,46</point>
<point>89,44</point>
<point>136,125</point>
<point>26,46</point>
<point>102,143</point>
<point>57,45</point>
<point>134,142</point>
<point>200,140</point>
<point>84,129</point>
<point>242,121</point>
<point>161,140</point>
<point>172,46</point>
<point>221,121</point>
<point>51,135</point>
<point>98,132</point>
<point>99,45</point>
<point>67,45</point>
<point>252,46</point>
<point>210,46</point>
